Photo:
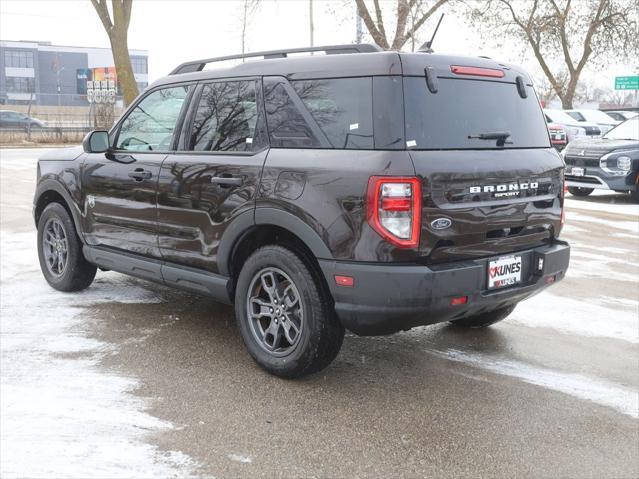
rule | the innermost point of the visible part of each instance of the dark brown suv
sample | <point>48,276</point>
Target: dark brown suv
<point>360,189</point>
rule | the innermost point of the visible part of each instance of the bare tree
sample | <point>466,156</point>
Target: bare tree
<point>117,30</point>
<point>410,15</point>
<point>249,8</point>
<point>564,36</point>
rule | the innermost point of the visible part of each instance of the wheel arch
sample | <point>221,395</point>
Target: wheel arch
<point>50,191</point>
<point>274,227</point>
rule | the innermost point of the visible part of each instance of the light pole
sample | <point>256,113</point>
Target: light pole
<point>57,75</point>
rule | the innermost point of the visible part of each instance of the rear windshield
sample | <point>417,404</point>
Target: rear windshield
<point>463,110</point>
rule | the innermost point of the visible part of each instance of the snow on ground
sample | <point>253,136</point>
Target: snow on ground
<point>585,318</point>
<point>622,205</point>
<point>61,415</point>
<point>622,399</point>
<point>632,225</point>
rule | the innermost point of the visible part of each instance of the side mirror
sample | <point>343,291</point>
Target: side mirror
<point>96,141</point>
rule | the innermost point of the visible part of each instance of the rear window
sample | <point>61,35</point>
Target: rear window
<point>463,109</point>
<point>343,109</point>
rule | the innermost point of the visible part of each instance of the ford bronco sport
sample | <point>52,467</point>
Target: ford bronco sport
<point>359,189</point>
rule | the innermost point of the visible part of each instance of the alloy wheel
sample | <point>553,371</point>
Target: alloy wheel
<point>275,312</point>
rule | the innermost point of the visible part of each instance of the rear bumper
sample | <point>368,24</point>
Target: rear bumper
<point>390,298</point>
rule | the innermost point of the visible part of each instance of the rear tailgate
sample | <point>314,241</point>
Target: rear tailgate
<point>491,181</point>
<point>486,209</point>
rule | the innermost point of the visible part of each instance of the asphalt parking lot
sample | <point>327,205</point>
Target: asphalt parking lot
<point>131,379</point>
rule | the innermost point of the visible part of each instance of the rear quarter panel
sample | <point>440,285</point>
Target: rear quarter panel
<point>326,189</point>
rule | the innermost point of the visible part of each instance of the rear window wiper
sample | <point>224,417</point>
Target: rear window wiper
<point>500,136</point>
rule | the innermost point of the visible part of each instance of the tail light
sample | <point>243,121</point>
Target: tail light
<point>394,209</point>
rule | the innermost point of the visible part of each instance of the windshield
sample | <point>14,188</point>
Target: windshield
<point>472,114</point>
<point>628,130</point>
<point>597,116</point>
<point>559,116</point>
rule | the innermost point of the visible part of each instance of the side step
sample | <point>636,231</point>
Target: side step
<point>182,277</point>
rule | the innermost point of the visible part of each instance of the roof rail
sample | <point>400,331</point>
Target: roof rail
<point>198,65</point>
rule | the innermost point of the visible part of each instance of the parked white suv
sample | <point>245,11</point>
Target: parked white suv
<point>605,122</point>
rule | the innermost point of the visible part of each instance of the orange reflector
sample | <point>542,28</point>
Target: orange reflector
<point>459,300</point>
<point>344,280</point>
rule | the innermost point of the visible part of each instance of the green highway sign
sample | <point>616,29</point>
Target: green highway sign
<point>627,83</point>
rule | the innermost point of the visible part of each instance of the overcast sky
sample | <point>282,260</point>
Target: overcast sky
<point>174,31</point>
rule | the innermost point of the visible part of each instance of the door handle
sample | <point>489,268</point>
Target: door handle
<point>140,174</point>
<point>227,180</point>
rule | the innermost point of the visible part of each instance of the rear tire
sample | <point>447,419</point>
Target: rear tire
<point>484,319</point>
<point>635,195</point>
<point>60,251</point>
<point>576,191</point>
<point>285,317</point>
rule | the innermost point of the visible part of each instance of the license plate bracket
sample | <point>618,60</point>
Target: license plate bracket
<point>504,271</point>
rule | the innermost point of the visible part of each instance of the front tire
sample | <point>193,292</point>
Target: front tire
<point>285,317</point>
<point>60,251</point>
<point>576,191</point>
<point>485,319</point>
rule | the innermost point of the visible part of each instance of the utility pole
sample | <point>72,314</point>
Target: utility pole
<point>310,17</point>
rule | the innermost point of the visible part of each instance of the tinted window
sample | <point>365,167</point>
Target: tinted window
<point>342,108</point>
<point>150,125</point>
<point>576,115</point>
<point>286,123</point>
<point>226,118</point>
<point>468,108</point>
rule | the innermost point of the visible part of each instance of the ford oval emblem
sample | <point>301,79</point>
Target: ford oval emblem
<point>441,223</point>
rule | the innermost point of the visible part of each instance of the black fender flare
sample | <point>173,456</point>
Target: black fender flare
<point>265,217</point>
<point>52,185</point>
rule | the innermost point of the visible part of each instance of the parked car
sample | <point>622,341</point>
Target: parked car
<point>557,134</point>
<point>605,122</point>
<point>318,193</point>
<point>621,115</point>
<point>608,163</point>
<point>14,120</point>
<point>573,128</point>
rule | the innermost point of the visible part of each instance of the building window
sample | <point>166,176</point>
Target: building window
<point>139,65</point>
<point>18,59</point>
<point>20,85</point>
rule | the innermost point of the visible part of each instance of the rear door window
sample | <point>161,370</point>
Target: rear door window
<point>227,118</point>
<point>343,109</point>
<point>462,110</point>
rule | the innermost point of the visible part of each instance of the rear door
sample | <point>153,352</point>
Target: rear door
<point>120,186</point>
<point>491,181</point>
<point>214,176</point>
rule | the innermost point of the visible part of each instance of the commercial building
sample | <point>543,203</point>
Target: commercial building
<point>46,74</point>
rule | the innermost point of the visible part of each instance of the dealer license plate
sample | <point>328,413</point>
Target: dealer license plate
<point>504,272</point>
<point>577,172</point>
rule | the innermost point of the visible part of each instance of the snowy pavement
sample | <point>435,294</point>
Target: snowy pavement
<point>131,379</point>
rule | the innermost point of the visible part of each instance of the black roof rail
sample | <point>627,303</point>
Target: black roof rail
<point>198,65</point>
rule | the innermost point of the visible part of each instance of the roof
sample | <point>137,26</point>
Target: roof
<point>341,66</point>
